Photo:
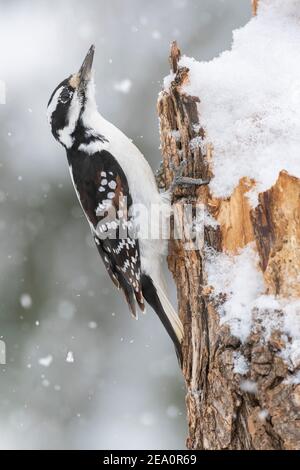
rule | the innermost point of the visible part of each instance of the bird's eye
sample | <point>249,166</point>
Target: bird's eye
<point>65,95</point>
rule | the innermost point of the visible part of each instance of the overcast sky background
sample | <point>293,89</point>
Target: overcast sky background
<point>124,389</point>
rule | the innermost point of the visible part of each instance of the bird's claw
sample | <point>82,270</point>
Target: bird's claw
<point>179,179</point>
<point>187,181</point>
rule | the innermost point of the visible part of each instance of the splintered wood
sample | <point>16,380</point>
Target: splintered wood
<point>255,6</point>
<point>265,414</point>
<point>276,224</point>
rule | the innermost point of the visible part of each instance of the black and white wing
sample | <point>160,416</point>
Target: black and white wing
<point>104,194</point>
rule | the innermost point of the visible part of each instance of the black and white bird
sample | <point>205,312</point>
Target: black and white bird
<point>107,168</point>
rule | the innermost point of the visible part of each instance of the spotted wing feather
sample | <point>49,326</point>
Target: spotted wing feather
<point>105,197</point>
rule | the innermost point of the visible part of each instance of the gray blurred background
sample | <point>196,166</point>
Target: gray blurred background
<point>80,373</point>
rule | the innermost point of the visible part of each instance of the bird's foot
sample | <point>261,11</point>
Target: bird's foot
<point>186,180</point>
<point>180,180</point>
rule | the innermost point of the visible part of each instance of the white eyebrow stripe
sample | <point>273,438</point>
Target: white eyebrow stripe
<point>53,103</point>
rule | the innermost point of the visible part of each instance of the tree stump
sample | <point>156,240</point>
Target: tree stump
<point>227,410</point>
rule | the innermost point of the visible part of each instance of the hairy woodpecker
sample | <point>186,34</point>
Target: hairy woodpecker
<point>106,168</point>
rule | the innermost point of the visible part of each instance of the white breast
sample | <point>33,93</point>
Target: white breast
<point>136,168</point>
<point>140,179</point>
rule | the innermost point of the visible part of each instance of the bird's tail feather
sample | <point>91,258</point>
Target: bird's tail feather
<point>170,312</point>
<point>155,295</point>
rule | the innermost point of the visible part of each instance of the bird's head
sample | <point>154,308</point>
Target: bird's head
<point>70,99</point>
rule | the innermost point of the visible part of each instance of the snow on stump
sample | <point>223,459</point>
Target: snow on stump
<point>236,120</point>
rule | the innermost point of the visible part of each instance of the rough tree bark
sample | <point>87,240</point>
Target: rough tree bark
<point>220,414</point>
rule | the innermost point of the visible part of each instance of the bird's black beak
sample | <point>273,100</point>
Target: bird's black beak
<point>85,71</point>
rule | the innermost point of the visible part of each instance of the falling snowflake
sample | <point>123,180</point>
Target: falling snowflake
<point>26,301</point>
<point>70,357</point>
<point>46,361</point>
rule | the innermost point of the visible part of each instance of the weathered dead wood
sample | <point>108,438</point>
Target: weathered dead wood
<point>255,6</point>
<point>221,415</point>
<point>276,223</point>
